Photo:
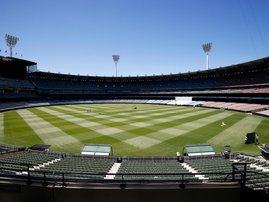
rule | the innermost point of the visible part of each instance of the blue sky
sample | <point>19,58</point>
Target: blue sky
<point>152,36</point>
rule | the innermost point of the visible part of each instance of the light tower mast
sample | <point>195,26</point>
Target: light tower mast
<point>11,42</point>
<point>116,58</point>
<point>207,48</point>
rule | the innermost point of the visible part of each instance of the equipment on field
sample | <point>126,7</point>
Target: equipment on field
<point>198,150</point>
<point>40,147</point>
<point>251,138</point>
<point>97,149</point>
<point>183,100</point>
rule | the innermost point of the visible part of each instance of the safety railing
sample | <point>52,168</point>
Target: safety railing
<point>25,174</point>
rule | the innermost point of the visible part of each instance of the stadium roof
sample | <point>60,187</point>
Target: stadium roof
<point>16,61</point>
<point>14,67</point>
<point>233,69</point>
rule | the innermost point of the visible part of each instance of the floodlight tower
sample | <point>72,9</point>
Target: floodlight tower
<point>207,48</point>
<point>11,42</point>
<point>116,58</point>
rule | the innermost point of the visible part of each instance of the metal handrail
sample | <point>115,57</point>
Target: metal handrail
<point>47,176</point>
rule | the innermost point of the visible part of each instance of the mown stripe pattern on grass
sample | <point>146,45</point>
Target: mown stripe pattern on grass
<point>137,129</point>
<point>236,133</point>
<point>48,133</point>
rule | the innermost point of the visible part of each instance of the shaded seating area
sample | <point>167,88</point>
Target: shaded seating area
<point>18,84</point>
<point>16,88</point>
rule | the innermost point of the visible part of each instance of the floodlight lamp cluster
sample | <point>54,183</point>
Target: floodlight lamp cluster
<point>207,47</point>
<point>11,42</point>
<point>116,58</point>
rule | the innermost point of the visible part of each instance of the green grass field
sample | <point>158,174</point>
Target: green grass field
<point>131,129</point>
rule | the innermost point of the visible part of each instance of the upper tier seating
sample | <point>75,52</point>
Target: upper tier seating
<point>6,83</point>
<point>64,84</point>
<point>16,88</point>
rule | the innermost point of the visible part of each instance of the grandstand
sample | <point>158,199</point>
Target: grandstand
<point>243,87</point>
<point>246,82</point>
<point>226,83</point>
